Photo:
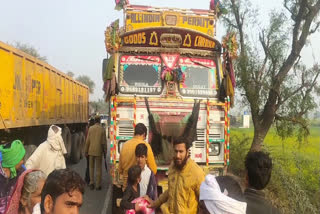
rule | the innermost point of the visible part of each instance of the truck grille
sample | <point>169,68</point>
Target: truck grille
<point>215,136</point>
<point>199,143</point>
<point>201,137</point>
<point>125,131</point>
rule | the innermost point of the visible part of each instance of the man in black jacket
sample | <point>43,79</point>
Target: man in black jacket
<point>259,167</point>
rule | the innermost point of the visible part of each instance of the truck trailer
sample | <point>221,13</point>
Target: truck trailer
<point>35,95</point>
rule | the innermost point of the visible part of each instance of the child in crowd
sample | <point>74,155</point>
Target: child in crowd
<point>148,184</point>
<point>133,190</point>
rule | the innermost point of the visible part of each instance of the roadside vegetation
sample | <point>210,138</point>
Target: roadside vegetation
<point>295,182</point>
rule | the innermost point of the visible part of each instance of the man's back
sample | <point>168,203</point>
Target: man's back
<point>256,203</point>
<point>95,140</point>
<point>46,159</point>
<point>258,167</point>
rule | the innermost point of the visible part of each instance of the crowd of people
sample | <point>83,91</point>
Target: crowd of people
<point>189,191</point>
<point>45,186</point>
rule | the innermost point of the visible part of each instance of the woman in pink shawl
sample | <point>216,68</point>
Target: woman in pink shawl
<point>27,192</point>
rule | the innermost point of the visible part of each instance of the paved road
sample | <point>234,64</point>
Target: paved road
<point>95,202</point>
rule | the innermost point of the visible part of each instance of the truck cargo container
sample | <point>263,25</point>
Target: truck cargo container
<point>35,95</point>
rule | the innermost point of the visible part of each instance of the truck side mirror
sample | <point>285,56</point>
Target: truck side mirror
<point>104,67</point>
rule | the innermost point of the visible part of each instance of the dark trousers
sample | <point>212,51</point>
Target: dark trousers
<point>87,175</point>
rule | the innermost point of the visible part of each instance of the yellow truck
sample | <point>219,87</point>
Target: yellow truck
<point>35,95</point>
<point>167,70</point>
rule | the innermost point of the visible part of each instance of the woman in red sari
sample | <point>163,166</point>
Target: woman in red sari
<point>27,192</point>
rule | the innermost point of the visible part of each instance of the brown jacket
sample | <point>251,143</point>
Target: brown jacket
<point>96,140</point>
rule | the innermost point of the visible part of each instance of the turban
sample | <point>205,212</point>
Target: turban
<point>12,156</point>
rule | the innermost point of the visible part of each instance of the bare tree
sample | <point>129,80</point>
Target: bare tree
<point>87,81</point>
<point>70,74</point>
<point>277,87</point>
<point>29,50</point>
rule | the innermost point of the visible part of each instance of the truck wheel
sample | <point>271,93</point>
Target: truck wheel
<point>82,144</point>
<point>29,151</point>
<point>75,151</point>
<point>66,136</point>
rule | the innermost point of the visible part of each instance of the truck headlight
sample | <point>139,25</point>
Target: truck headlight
<point>214,149</point>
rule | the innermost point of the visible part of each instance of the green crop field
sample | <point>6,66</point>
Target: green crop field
<point>296,175</point>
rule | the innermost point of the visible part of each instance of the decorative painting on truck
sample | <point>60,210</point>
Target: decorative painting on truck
<point>200,77</point>
<point>166,37</point>
<point>137,20</point>
<point>140,75</point>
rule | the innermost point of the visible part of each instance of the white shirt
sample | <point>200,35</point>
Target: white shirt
<point>36,209</point>
<point>145,178</point>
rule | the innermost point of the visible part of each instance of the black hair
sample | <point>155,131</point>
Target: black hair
<point>141,149</point>
<point>97,119</point>
<point>133,174</point>
<point>184,140</point>
<point>91,122</point>
<point>259,167</point>
<point>61,181</point>
<point>7,145</point>
<point>140,129</point>
<point>232,186</point>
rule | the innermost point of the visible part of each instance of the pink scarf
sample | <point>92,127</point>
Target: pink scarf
<point>14,203</point>
<point>144,206</point>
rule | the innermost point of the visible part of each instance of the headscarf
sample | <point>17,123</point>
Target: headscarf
<point>14,203</point>
<point>12,156</point>
<point>55,140</point>
<point>217,202</point>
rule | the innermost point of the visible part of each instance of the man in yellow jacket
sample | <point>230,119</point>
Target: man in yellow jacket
<point>127,155</point>
<point>184,180</point>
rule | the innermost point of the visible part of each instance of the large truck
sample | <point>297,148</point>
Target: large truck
<point>165,70</point>
<point>35,95</point>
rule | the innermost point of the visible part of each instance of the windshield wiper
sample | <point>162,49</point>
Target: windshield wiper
<point>198,63</point>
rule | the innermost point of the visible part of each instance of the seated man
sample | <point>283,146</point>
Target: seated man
<point>221,194</point>
<point>258,166</point>
<point>61,193</point>
<point>148,183</point>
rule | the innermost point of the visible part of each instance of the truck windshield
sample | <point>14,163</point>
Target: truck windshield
<point>140,74</point>
<point>200,77</point>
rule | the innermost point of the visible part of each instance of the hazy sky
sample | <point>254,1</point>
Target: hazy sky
<point>70,33</point>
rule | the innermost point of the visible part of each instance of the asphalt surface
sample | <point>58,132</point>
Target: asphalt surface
<point>95,202</point>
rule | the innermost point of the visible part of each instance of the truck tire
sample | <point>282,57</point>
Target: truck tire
<point>75,151</point>
<point>66,136</point>
<point>82,144</point>
<point>29,151</point>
